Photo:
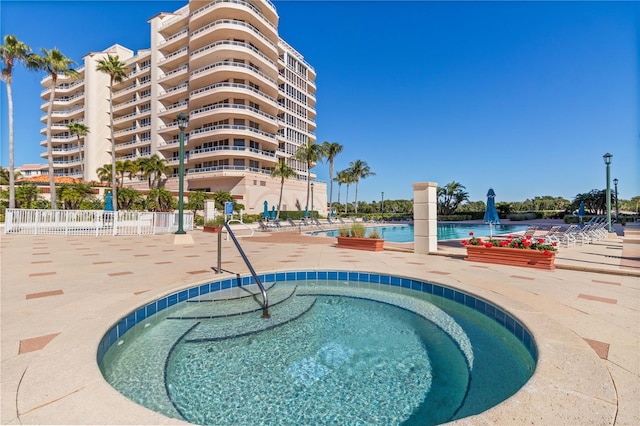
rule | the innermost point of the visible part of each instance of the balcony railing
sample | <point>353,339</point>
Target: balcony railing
<point>232,148</point>
<point>236,86</point>
<point>171,55</point>
<point>233,43</point>
<point>227,168</point>
<point>234,22</point>
<point>257,11</point>
<point>232,64</point>
<point>232,127</point>
<point>233,106</point>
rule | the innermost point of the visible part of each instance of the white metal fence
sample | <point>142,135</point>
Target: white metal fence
<point>93,222</point>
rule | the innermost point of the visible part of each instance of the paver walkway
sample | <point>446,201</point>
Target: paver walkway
<point>61,294</point>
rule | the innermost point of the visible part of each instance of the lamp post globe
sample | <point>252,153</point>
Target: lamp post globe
<point>182,125</point>
<point>607,162</point>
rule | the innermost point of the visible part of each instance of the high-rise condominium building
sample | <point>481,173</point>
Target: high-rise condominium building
<point>249,97</point>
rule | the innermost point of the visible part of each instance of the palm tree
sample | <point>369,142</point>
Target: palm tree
<point>104,173</point>
<point>154,166</point>
<point>450,196</point>
<point>359,170</point>
<point>4,176</point>
<point>340,179</point>
<point>310,154</point>
<point>54,63</point>
<point>116,70</point>
<point>330,151</point>
<point>11,52</point>
<point>126,167</point>
<point>283,172</point>
<point>347,178</point>
<point>79,129</point>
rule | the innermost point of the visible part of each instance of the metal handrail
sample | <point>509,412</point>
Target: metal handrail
<point>265,304</point>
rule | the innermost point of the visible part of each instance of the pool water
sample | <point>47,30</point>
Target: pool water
<point>446,231</point>
<point>333,352</point>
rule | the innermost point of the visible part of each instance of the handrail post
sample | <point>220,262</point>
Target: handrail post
<point>265,304</point>
<point>219,269</point>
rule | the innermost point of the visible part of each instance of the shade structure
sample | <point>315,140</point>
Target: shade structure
<point>581,211</point>
<point>265,214</point>
<point>491,214</point>
<point>273,212</point>
<point>108,202</point>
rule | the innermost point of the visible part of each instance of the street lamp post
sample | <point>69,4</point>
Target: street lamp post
<point>312,200</point>
<point>615,185</point>
<point>607,161</point>
<point>182,124</point>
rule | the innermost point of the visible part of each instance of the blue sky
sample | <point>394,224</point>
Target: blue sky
<point>523,97</point>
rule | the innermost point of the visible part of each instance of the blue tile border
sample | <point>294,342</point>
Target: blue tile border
<point>504,319</point>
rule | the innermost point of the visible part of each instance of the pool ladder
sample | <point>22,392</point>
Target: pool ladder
<point>265,304</point>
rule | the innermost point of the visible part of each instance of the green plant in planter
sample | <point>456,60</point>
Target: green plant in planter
<point>374,234</point>
<point>343,232</point>
<point>218,221</point>
<point>358,230</point>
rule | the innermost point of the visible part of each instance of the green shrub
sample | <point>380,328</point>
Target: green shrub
<point>343,232</point>
<point>358,230</point>
<point>374,234</point>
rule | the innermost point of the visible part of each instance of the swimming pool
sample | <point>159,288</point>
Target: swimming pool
<point>446,231</point>
<point>341,347</point>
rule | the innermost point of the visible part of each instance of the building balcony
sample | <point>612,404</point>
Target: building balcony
<point>233,131</point>
<point>174,59</point>
<point>175,93</point>
<point>224,111</point>
<point>227,29</point>
<point>238,9</point>
<point>220,50</point>
<point>174,76</point>
<point>219,91</point>
<point>172,42</point>
<point>227,151</point>
<point>225,171</point>
<point>174,109</point>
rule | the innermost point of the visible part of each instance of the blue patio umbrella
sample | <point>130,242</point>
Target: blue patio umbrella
<point>273,212</point>
<point>491,214</point>
<point>581,211</point>
<point>306,212</point>
<point>108,202</point>
<point>265,214</point>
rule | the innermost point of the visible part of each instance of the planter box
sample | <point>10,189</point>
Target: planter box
<point>209,228</point>
<point>514,257</point>
<point>370,244</point>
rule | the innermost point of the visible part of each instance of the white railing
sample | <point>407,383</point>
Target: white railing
<point>93,222</point>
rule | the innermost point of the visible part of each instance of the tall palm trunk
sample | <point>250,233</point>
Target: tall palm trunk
<point>308,185</point>
<point>12,183</point>
<point>330,186</point>
<point>346,201</point>
<point>356,200</point>
<point>80,155</point>
<point>280,199</point>
<point>114,180</point>
<point>52,180</point>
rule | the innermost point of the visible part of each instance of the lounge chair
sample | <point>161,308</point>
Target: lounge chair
<point>291,223</point>
<point>552,231</point>
<point>565,237</point>
<point>530,232</point>
<point>342,222</point>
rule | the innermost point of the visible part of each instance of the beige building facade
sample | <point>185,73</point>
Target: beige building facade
<point>249,97</point>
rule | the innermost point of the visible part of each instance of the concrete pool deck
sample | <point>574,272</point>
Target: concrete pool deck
<point>59,295</point>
